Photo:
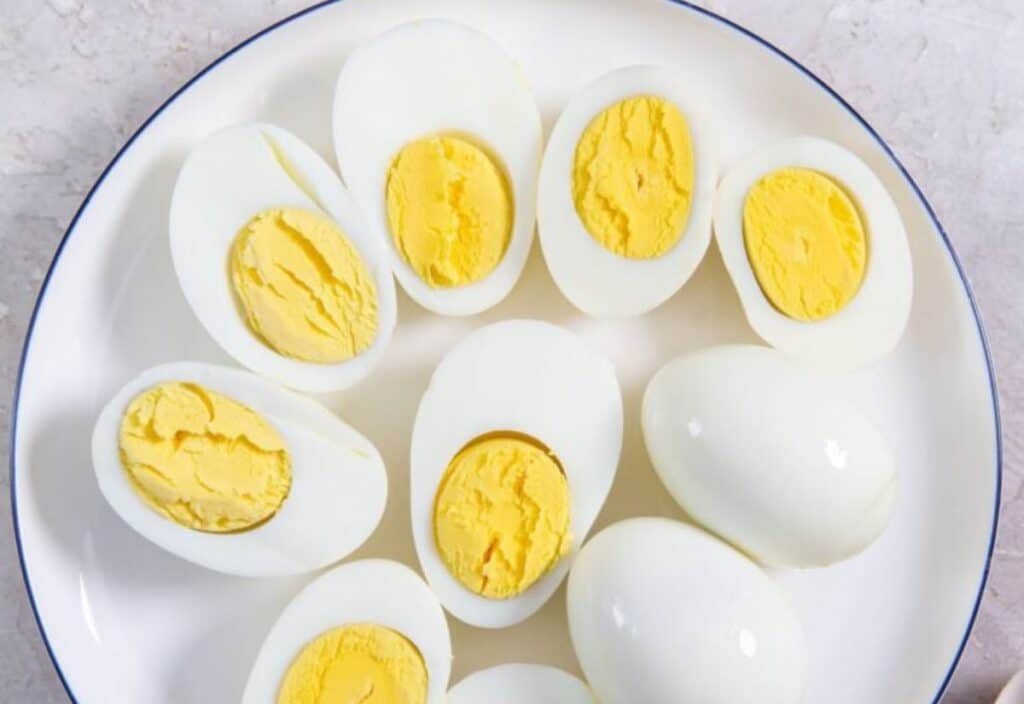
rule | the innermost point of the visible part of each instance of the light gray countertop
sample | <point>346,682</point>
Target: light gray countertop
<point>941,80</point>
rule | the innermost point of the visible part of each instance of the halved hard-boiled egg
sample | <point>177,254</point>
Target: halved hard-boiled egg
<point>277,262</point>
<point>519,683</point>
<point>367,631</point>
<point>626,187</point>
<point>227,470</point>
<point>514,449</point>
<point>439,139</point>
<point>660,612</point>
<point>753,446</point>
<point>817,251</point>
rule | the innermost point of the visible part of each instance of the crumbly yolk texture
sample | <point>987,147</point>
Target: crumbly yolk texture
<point>304,288</point>
<point>632,177</point>
<point>501,516</point>
<point>356,664</point>
<point>202,459</point>
<point>805,241</point>
<point>450,210</point>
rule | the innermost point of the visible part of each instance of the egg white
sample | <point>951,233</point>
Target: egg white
<point>381,592</point>
<point>873,321</point>
<point>225,181</point>
<point>753,446</point>
<point>529,377</point>
<point>337,496</point>
<point>595,280</point>
<point>661,612</point>
<point>520,684</point>
<point>435,77</point>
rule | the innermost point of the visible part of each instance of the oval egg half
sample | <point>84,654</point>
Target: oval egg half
<point>439,139</point>
<point>514,449</point>
<point>308,648</point>
<point>308,298</point>
<point>817,251</point>
<point>752,446</point>
<point>333,498</point>
<point>662,613</point>
<point>517,683</point>
<point>626,188</point>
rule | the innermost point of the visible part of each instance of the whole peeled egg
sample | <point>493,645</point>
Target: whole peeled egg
<point>817,251</point>
<point>278,262</point>
<point>662,613</point>
<point>626,189</point>
<point>753,447</point>
<point>366,631</point>
<point>514,449</point>
<point>439,138</point>
<point>520,683</point>
<point>231,472</point>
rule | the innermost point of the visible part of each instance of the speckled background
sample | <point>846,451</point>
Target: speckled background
<point>942,80</point>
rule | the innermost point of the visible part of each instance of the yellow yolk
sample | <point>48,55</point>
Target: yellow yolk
<point>501,516</point>
<point>356,664</point>
<point>805,241</point>
<point>450,210</point>
<point>632,177</point>
<point>304,288</point>
<point>203,460</point>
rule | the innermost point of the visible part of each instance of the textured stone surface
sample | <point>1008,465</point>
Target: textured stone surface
<point>942,80</point>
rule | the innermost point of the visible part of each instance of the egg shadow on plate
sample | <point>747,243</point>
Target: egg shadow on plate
<point>302,102</point>
<point>150,320</point>
<point>214,666</point>
<point>535,295</point>
<point>64,490</point>
<point>383,408</point>
<point>705,311</point>
<point>542,638</point>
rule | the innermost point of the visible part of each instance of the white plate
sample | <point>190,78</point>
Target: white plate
<point>126,622</point>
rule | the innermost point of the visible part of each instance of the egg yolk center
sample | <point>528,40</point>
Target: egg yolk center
<point>356,664</point>
<point>805,241</point>
<point>303,287</point>
<point>632,177</point>
<point>203,460</point>
<point>501,515</point>
<point>450,210</point>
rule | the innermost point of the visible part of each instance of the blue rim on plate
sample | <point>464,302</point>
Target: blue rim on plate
<point>684,4</point>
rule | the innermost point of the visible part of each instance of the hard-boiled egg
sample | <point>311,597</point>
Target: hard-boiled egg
<point>662,613</point>
<point>277,262</point>
<point>520,684</point>
<point>817,251</point>
<point>439,139</point>
<point>229,471</point>
<point>753,446</point>
<point>366,631</point>
<point>514,449</point>
<point>626,187</point>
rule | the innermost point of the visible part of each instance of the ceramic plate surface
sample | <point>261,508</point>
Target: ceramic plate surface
<point>127,622</point>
